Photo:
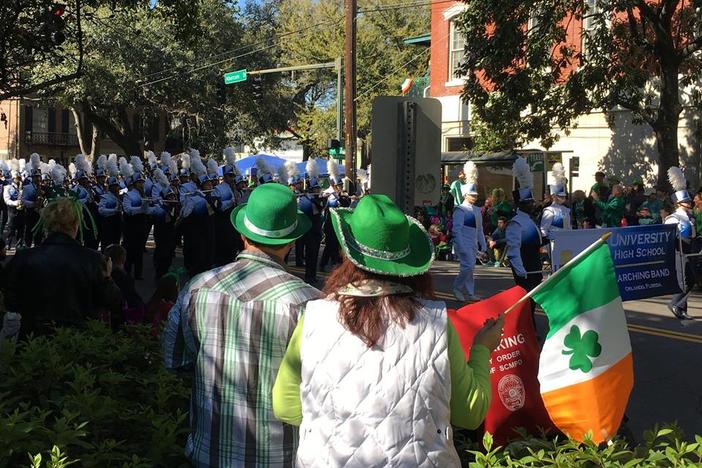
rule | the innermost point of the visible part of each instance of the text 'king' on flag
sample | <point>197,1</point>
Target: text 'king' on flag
<point>586,369</point>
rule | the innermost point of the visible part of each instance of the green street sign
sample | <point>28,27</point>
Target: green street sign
<point>235,76</point>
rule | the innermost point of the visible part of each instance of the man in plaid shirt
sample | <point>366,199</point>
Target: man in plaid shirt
<point>231,325</point>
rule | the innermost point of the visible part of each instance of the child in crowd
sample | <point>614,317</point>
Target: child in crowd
<point>440,241</point>
<point>133,304</point>
<point>162,301</point>
<point>497,241</point>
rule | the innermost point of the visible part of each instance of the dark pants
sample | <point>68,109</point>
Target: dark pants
<point>331,246</point>
<point>311,241</point>
<point>197,243</point>
<point>90,230</point>
<point>12,233</point>
<point>111,230</point>
<point>300,251</point>
<point>3,214</point>
<point>165,239</point>
<point>225,245</point>
<point>134,243</point>
<point>31,218</point>
<point>680,300</point>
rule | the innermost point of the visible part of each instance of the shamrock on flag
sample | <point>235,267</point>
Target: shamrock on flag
<point>585,369</point>
<point>582,348</point>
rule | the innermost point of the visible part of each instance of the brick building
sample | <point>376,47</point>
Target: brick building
<point>29,127</point>
<point>628,150</point>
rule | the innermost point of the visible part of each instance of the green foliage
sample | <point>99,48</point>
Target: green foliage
<point>93,395</point>
<point>491,138</point>
<point>382,60</point>
<point>663,448</point>
<point>140,64</point>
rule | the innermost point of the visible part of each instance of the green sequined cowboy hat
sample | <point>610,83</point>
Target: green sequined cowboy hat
<point>271,216</point>
<point>378,237</point>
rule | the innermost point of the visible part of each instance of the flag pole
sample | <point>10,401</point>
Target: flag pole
<point>582,254</point>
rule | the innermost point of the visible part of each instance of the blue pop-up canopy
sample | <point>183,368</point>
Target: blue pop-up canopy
<point>321,164</point>
<point>274,162</point>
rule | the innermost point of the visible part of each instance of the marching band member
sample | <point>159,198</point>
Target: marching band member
<point>5,179</point>
<point>556,216</point>
<point>469,240</point>
<point>196,218</point>
<point>333,195</point>
<point>165,213</point>
<point>32,201</point>
<point>686,233</point>
<point>523,237</point>
<point>224,198</point>
<point>110,207</point>
<point>84,191</point>
<point>312,205</point>
<point>136,210</point>
<point>12,196</point>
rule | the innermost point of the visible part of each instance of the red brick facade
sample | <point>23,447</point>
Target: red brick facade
<point>439,61</point>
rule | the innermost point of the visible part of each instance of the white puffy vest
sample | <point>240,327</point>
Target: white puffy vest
<point>383,406</point>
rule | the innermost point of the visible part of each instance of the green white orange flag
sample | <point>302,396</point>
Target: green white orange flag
<point>585,370</point>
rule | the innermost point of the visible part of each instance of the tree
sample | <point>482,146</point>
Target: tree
<point>383,61</point>
<point>49,33</point>
<point>138,68</point>
<point>525,73</point>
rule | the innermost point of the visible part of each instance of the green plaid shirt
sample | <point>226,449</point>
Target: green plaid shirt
<point>233,324</point>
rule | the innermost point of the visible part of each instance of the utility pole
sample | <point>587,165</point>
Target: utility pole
<point>350,90</point>
<point>339,99</point>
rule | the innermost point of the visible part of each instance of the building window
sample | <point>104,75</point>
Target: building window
<point>40,120</point>
<point>589,24</point>
<point>459,144</point>
<point>457,50</point>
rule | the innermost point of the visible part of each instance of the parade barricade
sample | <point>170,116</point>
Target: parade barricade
<point>644,257</point>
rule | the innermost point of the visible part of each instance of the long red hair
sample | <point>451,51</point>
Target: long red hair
<point>367,317</point>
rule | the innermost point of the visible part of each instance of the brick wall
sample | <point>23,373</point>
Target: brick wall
<point>439,60</point>
<point>9,128</point>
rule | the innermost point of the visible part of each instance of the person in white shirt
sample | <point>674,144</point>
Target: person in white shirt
<point>468,238</point>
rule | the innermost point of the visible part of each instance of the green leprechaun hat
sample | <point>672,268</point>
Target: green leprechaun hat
<point>378,237</point>
<point>270,217</point>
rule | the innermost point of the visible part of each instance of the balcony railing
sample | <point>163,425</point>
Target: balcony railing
<point>50,138</point>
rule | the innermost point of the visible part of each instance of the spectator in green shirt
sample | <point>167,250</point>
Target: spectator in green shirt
<point>650,210</point>
<point>500,206</point>
<point>697,210</point>
<point>613,209</point>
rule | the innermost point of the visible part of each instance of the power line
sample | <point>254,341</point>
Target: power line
<point>247,46</point>
<point>398,6</point>
<point>208,65</point>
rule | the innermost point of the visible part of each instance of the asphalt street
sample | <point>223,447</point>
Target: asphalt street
<point>667,353</point>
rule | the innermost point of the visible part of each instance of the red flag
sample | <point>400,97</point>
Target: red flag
<point>514,365</point>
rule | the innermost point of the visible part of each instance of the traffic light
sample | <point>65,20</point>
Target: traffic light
<point>221,93</point>
<point>54,24</point>
<point>257,87</point>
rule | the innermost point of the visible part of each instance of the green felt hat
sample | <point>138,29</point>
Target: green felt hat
<point>270,217</point>
<point>377,237</point>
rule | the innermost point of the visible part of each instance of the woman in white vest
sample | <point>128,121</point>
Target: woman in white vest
<point>375,374</point>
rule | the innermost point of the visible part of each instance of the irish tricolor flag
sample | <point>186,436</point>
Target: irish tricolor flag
<point>585,370</point>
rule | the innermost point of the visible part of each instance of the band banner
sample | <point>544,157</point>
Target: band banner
<point>644,257</point>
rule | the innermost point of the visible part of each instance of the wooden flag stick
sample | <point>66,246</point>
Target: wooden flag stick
<point>582,254</point>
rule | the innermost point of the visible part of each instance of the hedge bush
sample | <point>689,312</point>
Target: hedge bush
<point>94,398</point>
<point>101,397</point>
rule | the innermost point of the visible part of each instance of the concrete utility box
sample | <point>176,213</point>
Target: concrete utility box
<point>406,150</point>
